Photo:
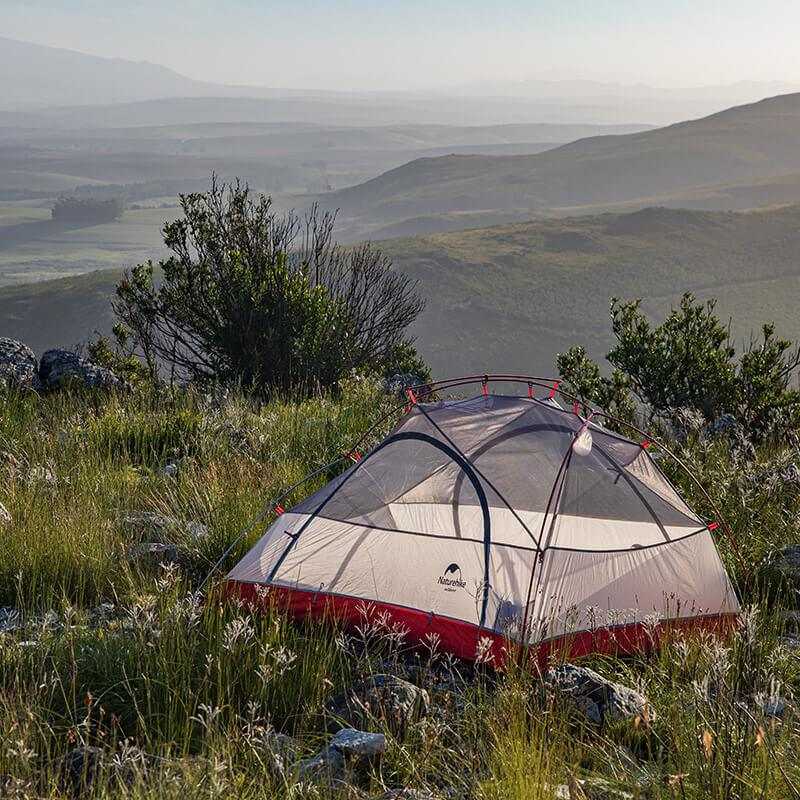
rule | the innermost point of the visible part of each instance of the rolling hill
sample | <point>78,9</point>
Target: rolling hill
<point>509,297</point>
<point>751,144</point>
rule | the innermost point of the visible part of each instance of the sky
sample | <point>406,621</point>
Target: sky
<point>422,44</point>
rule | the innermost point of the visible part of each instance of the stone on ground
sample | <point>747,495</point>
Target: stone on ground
<point>598,699</point>
<point>18,365</point>
<point>390,699</point>
<point>59,368</point>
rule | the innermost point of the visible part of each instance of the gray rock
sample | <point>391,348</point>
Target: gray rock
<point>348,750</point>
<point>171,469</point>
<point>773,706</point>
<point>18,365</point>
<point>154,555</point>
<point>388,698</point>
<point>80,768</point>
<point>590,789</point>
<point>598,699</point>
<point>327,766</point>
<point>161,528</point>
<point>5,516</point>
<point>280,751</point>
<point>359,745</point>
<point>58,368</point>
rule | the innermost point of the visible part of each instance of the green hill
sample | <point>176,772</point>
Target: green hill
<point>511,296</point>
<point>743,145</point>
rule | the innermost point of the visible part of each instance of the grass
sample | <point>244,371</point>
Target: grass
<point>181,690</point>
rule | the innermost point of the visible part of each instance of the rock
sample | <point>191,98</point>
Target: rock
<point>359,745</point>
<point>598,699</point>
<point>407,794</point>
<point>280,751</point>
<point>154,555</point>
<point>773,706</point>
<point>58,368</point>
<point>388,698</point>
<point>5,516</point>
<point>10,619</point>
<point>327,766</point>
<point>161,528</point>
<point>18,365</point>
<point>171,469</point>
<point>40,474</point>
<point>349,749</point>
<point>80,768</point>
<point>590,789</point>
<point>786,563</point>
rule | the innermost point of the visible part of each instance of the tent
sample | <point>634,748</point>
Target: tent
<point>495,522</point>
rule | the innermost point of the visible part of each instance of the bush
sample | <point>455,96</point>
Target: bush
<point>265,302</point>
<point>688,363</point>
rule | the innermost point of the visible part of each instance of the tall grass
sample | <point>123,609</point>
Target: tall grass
<point>182,692</point>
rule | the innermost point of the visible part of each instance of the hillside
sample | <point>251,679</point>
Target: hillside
<point>742,145</point>
<point>509,297</point>
<point>112,149</point>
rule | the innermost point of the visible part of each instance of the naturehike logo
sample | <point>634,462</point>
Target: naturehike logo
<point>451,579</point>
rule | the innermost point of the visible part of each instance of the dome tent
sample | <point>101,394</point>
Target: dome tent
<point>495,522</point>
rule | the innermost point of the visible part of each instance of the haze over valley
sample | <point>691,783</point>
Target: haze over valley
<point>521,206</point>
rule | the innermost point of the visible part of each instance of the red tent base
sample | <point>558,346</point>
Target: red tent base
<point>467,641</point>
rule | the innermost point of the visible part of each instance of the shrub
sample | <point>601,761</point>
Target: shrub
<point>265,302</point>
<point>689,363</point>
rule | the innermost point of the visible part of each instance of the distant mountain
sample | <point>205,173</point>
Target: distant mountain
<point>745,144</point>
<point>35,76</point>
<point>39,77</point>
<point>510,297</point>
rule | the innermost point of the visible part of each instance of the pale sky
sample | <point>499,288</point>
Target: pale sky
<point>410,44</point>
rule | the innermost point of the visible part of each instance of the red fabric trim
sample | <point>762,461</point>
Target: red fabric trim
<point>456,637</point>
<point>464,639</point>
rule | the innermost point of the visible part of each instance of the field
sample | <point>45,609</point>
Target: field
<point>182,694</point>
<point>33,247</point>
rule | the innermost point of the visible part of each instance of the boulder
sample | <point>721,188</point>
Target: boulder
<point>152,556</point>
<point>597,698</point>
<point>280,752</point>
<point>154,527</point>
<point>5,516</point>
<point>359,746</point>
<point>79,769</point>
<point>387,698</point>
<point>59,368</point>
<point>327,766</point>
<point>18,365</point>
<point>348,750</point>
